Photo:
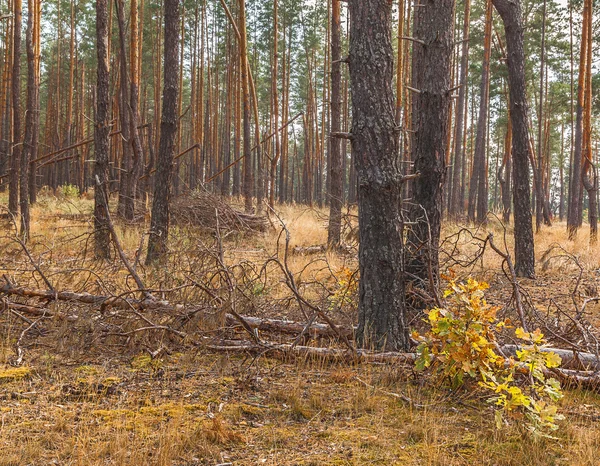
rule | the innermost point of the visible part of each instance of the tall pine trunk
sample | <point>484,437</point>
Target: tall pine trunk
<point>159,227</point>
<point>434,26</point>
<point>101,134</point>
<point>375,144</point>
<point>511,13</point>
<point>335,158</point>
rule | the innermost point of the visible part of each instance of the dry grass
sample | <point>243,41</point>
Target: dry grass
<point>78,401</point>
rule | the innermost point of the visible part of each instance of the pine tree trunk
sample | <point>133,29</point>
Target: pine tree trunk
<point>575,193</point>
<point>159,227</point>
<point>477,202</point>
<point>510,11</point>
<point>31,119</point>
<point>375,144</point>
<point>101,135</point>
<point>335,159</point>
<point>434,25</point>
<point>13,188</point>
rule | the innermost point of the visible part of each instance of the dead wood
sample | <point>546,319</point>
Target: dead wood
<point>289,327</point>
<point>198,209</point>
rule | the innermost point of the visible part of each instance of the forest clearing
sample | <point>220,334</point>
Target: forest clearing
<point>299,232</point>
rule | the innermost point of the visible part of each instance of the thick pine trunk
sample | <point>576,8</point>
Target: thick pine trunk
<point>375,145</point>
<point>434,25</point>
<point>510,11</point>
<point>159,227</point>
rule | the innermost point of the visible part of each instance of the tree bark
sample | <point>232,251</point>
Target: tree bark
<point>159,226</point>
<point>434,25</point>
<point>456,201</point>
<point>13,188</point>
<point>31,119</point>
<point>477,192</point>
<point>101,135</point>
<point>335,158</point>
<point>510,11</point>
<point>575,193</point>
<point>375,145</point>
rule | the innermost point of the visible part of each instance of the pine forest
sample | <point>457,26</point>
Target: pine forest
<point>299,232</point>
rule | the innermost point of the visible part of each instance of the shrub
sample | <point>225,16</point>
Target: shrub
<point>461,347</point>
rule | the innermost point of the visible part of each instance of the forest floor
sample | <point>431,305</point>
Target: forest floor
<point>93,388</point>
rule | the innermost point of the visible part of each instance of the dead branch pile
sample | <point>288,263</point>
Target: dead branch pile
<point>210,212</point>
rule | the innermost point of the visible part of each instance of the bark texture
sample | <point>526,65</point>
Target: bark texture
<point>101,135</point>
<point>335,158</point>
<point>434,25</point>
<point>159,226</point>
<point>375,148</point>
<point>512,17</point>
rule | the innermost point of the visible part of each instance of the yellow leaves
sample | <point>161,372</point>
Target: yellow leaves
<point>461,346</point>
<point>553,360</point>
<point>536,337</point>
<point>346,288</point>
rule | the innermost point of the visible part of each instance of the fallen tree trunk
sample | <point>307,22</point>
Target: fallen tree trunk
<point>289,326</point>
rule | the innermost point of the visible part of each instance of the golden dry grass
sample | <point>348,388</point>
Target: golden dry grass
<point>80,403</point>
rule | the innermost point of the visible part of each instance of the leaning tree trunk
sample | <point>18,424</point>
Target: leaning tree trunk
<point>335,158</point>
<point>510,11</point>
<point>159,226</point>
<point>434,25</point>
<point>375,145</point>
<point>101,135</point>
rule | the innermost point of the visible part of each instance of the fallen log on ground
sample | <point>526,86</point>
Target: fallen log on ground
<point>569,377</point>
<point>289,326</point>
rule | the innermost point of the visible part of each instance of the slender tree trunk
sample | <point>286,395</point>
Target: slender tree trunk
<point>477,199</point>
<point>248,182</point>
<point>159,227</point>
<point>375,143</point>
<point>505,172</point>
<point>510,11</point>
<point>13,188</point>
<point>590,173</point>
<point>101,134</point>
<point>335,159</point>
<point>575,194</point>
<point>31,119</point>
<point>539,193</point>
